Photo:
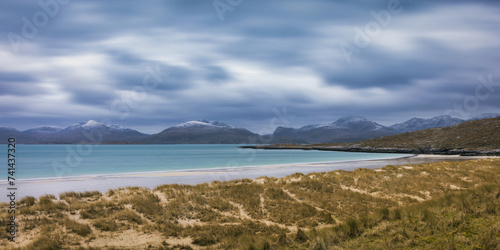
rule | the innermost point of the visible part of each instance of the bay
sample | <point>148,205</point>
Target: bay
<point>47,161</point>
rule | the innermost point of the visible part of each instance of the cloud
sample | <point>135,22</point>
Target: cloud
<point>216,74</point>
<point>383,68</point>
<point>19,84</point>
<point>264,55</point>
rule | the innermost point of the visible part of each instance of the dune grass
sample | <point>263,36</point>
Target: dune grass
<point>443,205</point>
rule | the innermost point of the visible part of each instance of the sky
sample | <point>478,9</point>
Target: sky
<point>149,65</point>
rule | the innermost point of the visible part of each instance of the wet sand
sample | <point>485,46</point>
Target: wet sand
<point>55,186</point>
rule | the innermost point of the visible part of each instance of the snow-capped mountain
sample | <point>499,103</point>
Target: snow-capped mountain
<point>204,132</point>
<point>357,123</point>
<point>95,132</point>
<point>203,124</point>
<point>89,132</point>
<point>43,130</point>
<point>418,123</point>
<point>91,124</point>
<point>87,125</point>
<point>345,129</point>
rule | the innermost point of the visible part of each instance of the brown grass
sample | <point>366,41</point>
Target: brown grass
<point>438,205</point>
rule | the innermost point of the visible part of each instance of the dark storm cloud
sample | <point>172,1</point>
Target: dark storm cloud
<point>178,78</point>
<point>126,59</point>
<point>377,67</point>
<point>19,84</point>
<point>93,97</point>
<point>132,69</point>
<point>216,74</point>
<point>274,52</point>
<point>15,77</point>
<point>20,89</point>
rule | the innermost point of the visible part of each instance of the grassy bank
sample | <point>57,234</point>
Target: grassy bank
<point>471,138</point>
<point>437,205</point>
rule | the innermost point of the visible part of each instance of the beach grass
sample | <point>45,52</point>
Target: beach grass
<point>444,205</point>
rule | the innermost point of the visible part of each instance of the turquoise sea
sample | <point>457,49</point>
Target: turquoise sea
<point>46,161</point>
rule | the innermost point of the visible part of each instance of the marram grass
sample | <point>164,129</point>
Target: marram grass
<point>445,205</point>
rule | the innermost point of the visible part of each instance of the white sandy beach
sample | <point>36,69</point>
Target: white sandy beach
<point>55,186</point>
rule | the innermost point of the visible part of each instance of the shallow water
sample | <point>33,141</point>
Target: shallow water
<point>47,161</point>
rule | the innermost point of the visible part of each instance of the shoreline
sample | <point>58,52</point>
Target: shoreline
<point>102,183</point>
<point>193,170</point>
<point>425,151</point>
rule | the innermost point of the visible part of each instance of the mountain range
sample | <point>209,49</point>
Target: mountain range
<point>346,129</point>
<point>415,124</point>
<point>83,133</point>
<point>203,132</point>
<point>474,134</point>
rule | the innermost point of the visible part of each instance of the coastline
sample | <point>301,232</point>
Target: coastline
<point>102,183</point>
<point>204,170</point>
<point>62,161</point>
<point>425,151</point>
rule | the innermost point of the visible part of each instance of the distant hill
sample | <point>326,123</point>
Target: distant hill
<point>203,132</point>
<point>43,130</point>
<point>475,137</point>
<point>355,128</point>
<point>346,129</point>
<point>476,134</point>
<point>484,116</point>
<point>93,132</point>
<point>415,124</point>
<point>418,123</point>
<point>193,132</point>
<point>85,132</point>
<point>8,132</point>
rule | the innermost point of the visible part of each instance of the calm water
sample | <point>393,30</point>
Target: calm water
<point>42,161</point>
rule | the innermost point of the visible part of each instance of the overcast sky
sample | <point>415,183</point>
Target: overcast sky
<point>149,65</point>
